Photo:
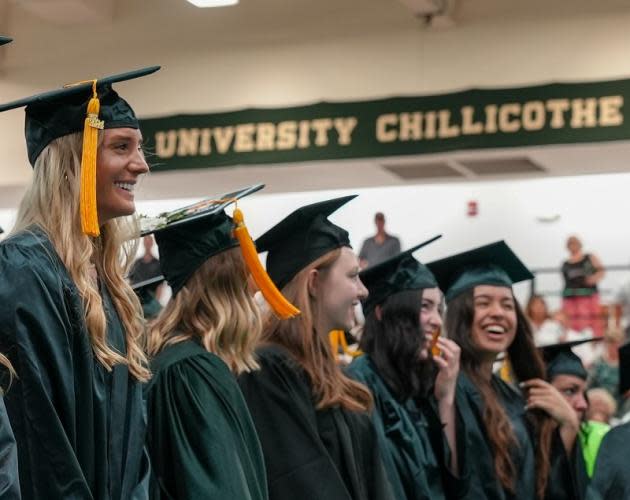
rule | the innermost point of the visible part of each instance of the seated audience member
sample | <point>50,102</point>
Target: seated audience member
<point>604,372</point>
<point>602,407</point>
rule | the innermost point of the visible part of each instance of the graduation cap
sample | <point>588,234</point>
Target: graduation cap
<point>396,274</point>
<point>493,264</point>
<point>189,236</point>
<point>5,39</point>
<point>87,106</point>
<point>301,238</point>
<point>561,360</point>
<point>624,368</point>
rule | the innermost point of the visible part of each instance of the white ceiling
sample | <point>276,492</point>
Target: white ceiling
<point>61,32</point>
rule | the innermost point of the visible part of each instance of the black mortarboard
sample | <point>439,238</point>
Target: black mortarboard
<point>396,274</point>
<point>61,112</point>
<point>189,236</point>
<point>493,264</point>
<point>301,238</point>
<point>5,39</point>
<point>88,107</point>
<point>561,360</point>
<point>624,368</point>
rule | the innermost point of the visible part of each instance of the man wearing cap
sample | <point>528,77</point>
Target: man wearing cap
<point>69,321</point>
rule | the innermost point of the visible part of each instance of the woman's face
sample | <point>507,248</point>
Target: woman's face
<point>494,321</point>
<point>538,309</point>
<point>338,290</point>
<point>430,316</point>
<point>120,162</point>
<point>573,389</point>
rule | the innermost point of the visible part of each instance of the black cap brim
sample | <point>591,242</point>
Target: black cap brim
<point>5,39</point>
<point>452,272</point>
<point>196,211</point>
<point>70,91</point>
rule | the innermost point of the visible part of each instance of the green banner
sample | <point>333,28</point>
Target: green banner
<point>561,113</point>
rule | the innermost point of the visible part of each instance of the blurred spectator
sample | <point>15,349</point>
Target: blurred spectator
<point>147,266</point>
<point>379,247</point>
<point>602,407</point>
<point>604,373</point>
<point>546,330</point>
<point>582,272</point>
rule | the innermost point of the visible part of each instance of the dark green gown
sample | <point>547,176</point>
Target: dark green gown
<point>310,454</point>
<point>611,478</point>
<point>201,438</point>
<point>414,449</point>
<point>484,484</point>
<point>79,428</point>
<point>9,479</point>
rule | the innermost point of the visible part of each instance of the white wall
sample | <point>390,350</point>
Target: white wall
<point>594,207</point>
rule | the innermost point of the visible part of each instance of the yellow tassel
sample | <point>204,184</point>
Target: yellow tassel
<point>344,345</point>
<point>505,373</point>
<point>89,212</point>
<point>334,342</point>
<point>278,303</point>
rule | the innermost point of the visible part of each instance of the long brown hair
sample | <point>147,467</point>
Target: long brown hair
<point>312,349</point>
<point>216,308</point>
<point>526,363</point>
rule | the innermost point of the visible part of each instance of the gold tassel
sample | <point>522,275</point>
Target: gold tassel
<point>278,303</point>
<point>89,212</point>
<point>333,335</point>
<point>344,345</point>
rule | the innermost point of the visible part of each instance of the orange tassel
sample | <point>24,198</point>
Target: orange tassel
<point>344,345</point>
<point>334,342</point>
<point>88,207</point>
<point>278,303</point>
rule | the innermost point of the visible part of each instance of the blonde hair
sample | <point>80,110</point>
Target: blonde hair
<point>52,203</point>
<point>215,307</point>
<point>312,349</point>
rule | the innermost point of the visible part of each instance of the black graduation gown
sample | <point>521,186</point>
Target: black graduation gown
<point>415,452</point>
<point>310,454</point>
<point>611,477</point>
<point>484,483</point>
<point>201,438</point>
<point>9,480</point>
<point>79,428</point>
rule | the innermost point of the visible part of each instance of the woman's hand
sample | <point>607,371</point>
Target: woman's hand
<point>448,369</point>
<point>544,396</point>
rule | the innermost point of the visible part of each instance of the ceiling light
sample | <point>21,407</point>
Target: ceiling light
<point>212,3</point>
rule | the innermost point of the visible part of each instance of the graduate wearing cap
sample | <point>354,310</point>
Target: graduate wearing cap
<point>9,480</point>
<point>69,322</point>
<point>611,476</point>
<point>413,387</point>
<point>201,437</point>
<point>513,452</point>
<point>566,373</point>
<point>312,420</point>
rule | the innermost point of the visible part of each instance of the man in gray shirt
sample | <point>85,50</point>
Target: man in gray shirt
<point>379,247</point>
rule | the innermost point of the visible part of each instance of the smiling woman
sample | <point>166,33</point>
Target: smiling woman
<point>312,420</point>
<point>69,322</point>
<point>514,453</point>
